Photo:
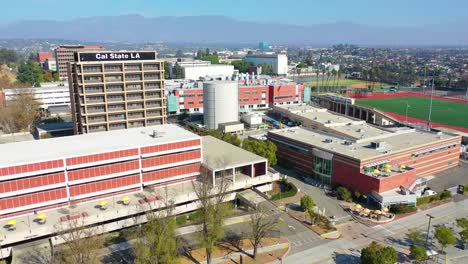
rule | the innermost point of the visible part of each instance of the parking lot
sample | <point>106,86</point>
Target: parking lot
<point>450,178</point>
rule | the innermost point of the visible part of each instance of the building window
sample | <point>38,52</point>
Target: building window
<point>322,170</point>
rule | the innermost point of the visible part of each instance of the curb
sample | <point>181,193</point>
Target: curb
<point>284,255</point>
<point>325,236</point>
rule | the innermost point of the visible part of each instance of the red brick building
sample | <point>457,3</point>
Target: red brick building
<point>362,157</point>
<point>41,57</point>
<point>251,97</point>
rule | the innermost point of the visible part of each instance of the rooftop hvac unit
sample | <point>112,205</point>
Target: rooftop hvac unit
<point>377,144</point>
<point>328,140</point>
<point>348,142</point>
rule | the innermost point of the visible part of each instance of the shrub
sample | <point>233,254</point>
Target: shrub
<point>445,195</point>
<point>418,252</point>
<point>181,219</point>
<point>402,209</point>
<point>433,198</point>
<point>357,196</point>
<point>291,191</point>
<point>344,193</point>
<point>195,216</point>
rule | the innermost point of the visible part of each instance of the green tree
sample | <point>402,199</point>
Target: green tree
<point>344,194</point>
<point>179,53</point>
<point>266,149</point>
<point>418,253</point>
<point>241,65</point>
<point>158,244</point>
<point>462,223</point>
<point>414,234</point>
<point>167,70</point>
<point>261,222</point>
<point>178,72</point>
<point>30,72</point>
<point>445,236</point>
<point>376,253</point>
<point>464,235</point>
<point>8,56</point>
<point>213,58</point>
<point>307,203</point>
<point>267,68</point>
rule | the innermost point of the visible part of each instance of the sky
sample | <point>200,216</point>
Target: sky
<point>389,13</point>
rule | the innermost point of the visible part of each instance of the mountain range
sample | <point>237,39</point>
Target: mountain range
<point>220,29</point>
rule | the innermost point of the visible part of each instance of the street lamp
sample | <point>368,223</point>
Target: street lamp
<point>406,116</point>
<point>428,227</point>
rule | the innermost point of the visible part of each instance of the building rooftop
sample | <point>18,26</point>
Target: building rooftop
<point>54,148</point>
<point>394,142</point>
<point>351,127</point>
<point>218,154</point>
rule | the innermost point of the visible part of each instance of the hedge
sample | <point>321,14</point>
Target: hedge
<point>433,198</point>
<point>292,190</point>
<point>402,209</point>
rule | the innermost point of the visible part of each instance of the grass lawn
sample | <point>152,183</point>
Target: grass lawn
<point>345,82</point>
<point>444,112</point>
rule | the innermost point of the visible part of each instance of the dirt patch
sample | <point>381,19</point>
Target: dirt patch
<point>261,258</point>
<point>226,248</point>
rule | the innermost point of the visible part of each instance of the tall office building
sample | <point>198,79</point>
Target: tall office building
<point>64,55</point>
<point>116,90</point>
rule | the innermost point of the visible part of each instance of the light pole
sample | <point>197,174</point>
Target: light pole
<point>428,228</point>
<point>406,116</point>
<point>430,105</point>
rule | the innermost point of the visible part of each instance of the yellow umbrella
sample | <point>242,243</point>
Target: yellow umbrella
<point>385,209</point>
<point>388,170</point>
<point>41,216</point>
<point>377,212</point>
<point>11,222</point>
<point>402,167</point>
<point>376,171</point>
<point>125,198</point>
<point>358,206</point>
<point>103,203</point>
<point>388,165</point>
<point>366,211</point>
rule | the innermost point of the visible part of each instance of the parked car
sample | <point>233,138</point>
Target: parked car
<point>429,192</point>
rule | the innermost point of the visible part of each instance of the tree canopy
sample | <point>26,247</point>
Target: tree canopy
<point>418,252</point>
<point>8,56</point>
<point>241,65</point>
<point>30,72</point>
<point>376,253</point>
<point>445,236</point>
<point>265,149</point>
<point>267,68</point>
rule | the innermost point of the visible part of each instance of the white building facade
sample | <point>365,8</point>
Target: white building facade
<point>278,61</point>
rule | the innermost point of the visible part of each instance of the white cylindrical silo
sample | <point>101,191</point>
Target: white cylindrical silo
<point>220,103</point>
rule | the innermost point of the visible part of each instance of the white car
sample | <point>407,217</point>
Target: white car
<point>429,193</point>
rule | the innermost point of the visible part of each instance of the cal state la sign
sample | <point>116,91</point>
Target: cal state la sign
<point>117,56</point>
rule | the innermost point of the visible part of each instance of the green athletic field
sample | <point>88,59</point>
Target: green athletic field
<point>444,112</point>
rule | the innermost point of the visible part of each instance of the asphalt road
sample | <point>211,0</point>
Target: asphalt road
<point>356,236</point>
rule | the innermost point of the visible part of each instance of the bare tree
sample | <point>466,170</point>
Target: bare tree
<point>82,244</point>
<point>261,223</point>
<point>158,243</point>
<point>211,197</point>
<point>20,113</point>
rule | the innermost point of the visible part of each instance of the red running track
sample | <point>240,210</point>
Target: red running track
<point>420,121</point>
<point>405,94</point>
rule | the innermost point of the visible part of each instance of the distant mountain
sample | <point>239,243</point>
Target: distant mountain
<point>219,29</point>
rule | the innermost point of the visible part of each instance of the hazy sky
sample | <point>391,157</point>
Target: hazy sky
<point>299,12</point>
